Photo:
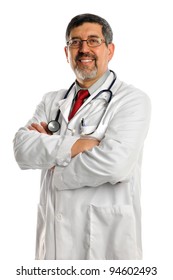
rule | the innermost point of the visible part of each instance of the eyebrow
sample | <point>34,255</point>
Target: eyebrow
<point>90,36</point>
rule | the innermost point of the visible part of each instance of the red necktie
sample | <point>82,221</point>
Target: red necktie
<point>82,94</point>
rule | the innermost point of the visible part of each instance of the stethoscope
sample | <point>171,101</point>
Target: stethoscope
<point>54,125</point>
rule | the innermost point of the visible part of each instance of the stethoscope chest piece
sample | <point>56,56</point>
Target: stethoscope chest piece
<point>53,126</point>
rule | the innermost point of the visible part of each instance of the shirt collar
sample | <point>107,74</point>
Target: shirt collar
<point>96,85</point>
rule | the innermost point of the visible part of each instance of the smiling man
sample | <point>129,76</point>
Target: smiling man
<point>88,142</point>
<point>88,51</point>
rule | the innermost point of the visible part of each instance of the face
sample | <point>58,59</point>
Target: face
<point>88,63</point>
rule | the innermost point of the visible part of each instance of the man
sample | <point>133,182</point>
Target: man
<point>90,184</point>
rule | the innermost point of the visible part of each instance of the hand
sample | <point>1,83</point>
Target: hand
<point>83,145</point>
<point>41,128</point>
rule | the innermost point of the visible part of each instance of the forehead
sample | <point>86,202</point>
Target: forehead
<point>87,29</point>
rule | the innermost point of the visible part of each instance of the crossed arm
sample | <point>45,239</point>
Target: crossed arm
<point>110,160</point>
<point>80,146</point>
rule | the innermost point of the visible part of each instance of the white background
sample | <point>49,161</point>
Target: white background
<point>32,62</point>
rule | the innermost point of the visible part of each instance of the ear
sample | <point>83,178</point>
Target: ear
<point>66,53</point>
<point>111,48</point>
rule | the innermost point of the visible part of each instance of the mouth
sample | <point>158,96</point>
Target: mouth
<point>85,59</point>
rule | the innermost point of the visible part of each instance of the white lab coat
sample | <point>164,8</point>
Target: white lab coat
<point>90,205</point>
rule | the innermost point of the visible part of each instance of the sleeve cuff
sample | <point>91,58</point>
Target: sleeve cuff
<point>63,156</point>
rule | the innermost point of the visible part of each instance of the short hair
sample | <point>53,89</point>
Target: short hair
<point>82,18</point>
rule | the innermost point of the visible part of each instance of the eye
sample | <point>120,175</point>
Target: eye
<point>94,41</point>
<point>75,42</point>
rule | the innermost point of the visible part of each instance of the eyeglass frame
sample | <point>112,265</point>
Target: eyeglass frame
<point>81,41</point>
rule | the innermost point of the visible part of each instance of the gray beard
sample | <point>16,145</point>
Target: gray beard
<point>82,74</point>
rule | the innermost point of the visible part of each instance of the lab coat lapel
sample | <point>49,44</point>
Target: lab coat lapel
<point>65,105</point>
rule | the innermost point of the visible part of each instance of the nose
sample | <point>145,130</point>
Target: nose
<point>84,46</point>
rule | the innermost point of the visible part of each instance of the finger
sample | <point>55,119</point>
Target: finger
<point>39,128</point>
<point>45,126</point>
<point>31,128</point>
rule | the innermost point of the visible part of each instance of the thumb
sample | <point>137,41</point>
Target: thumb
<point>44,125</point>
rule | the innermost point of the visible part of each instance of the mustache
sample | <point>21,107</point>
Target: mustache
<point>85,55</point>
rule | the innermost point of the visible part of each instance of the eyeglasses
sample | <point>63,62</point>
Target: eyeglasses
<point>91,42</point>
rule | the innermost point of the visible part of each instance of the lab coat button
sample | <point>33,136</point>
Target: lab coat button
<point>59,216</point>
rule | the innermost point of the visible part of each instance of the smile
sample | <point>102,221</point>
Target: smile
<point>85,60</point>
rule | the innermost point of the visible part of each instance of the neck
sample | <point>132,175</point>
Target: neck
<point>86,83</point>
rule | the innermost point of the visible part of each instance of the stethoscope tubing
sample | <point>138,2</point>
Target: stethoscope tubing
<point>54,125</point>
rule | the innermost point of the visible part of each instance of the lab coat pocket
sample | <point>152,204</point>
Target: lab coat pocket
<point>112,233</point>
<point>40,238</point>
<point>93,131</point>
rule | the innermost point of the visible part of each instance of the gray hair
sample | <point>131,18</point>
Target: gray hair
<point>82,18</point>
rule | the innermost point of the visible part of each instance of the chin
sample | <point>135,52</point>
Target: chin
<point>83,74</point>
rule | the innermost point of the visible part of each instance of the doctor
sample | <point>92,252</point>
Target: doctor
<point>90,184</point>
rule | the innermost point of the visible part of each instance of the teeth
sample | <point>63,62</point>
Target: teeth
<point>86,60</point>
